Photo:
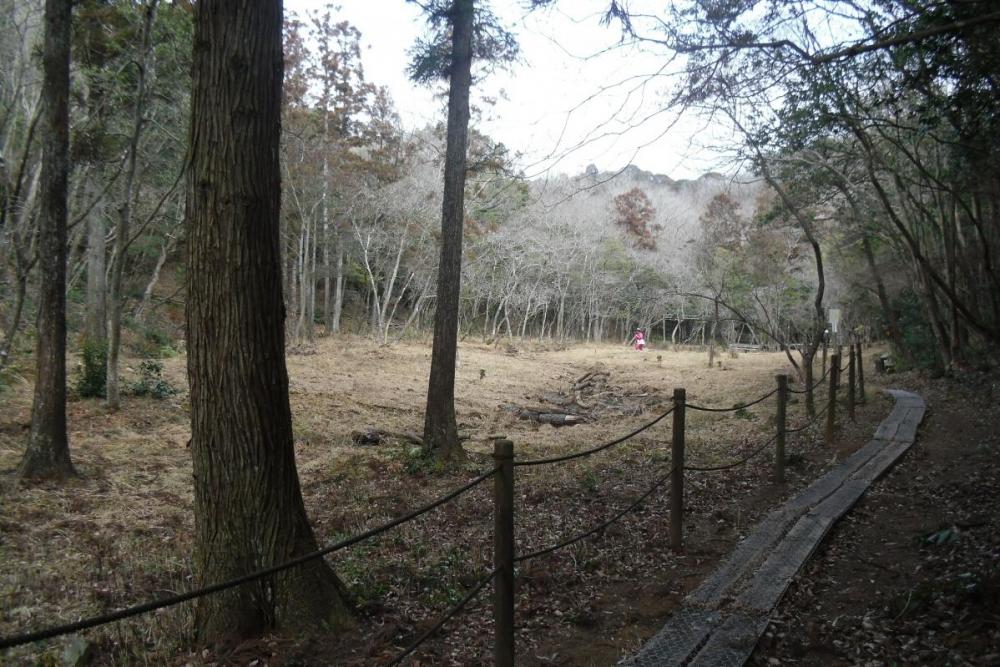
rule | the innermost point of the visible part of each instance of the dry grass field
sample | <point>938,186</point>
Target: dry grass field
<point>121,533</point>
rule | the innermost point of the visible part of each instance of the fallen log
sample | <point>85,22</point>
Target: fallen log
<point>555,419</point>
<point>543,416</point>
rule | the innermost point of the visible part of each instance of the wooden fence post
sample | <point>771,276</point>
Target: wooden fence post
<point>779,418</point>
<point>861,374</point>
<point>831,406</point>
<point>677,472</point>
<point>851,379</point>
<point>503,553</point>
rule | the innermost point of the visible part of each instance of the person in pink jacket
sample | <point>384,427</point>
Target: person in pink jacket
<point>640,340</point>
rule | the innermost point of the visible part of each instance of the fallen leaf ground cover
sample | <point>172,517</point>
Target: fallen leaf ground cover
<point>121,533</point>
<point>912,574</point>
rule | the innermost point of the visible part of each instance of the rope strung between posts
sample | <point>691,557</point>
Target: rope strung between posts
<point>588,452</point>
<point>735,464</point>
<point>815,384</point>
<point>811,422</point>
<point>104,619</point>
<point>573,540</point>
<point>699,408</point>
<point>444,619</point>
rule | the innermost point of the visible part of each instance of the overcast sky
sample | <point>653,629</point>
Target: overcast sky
<point>561,106</point>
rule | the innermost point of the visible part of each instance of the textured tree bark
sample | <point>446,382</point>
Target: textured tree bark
<point>47,454</point>
<point>249,512</point>
<point>440,427</point>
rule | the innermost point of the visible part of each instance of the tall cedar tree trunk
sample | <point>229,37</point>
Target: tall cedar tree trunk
<point>440,427</point>
<point>249,512</point>
<point>47,454</point>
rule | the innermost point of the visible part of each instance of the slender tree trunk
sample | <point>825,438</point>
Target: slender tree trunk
<point>338,291</point>
<point>115,304</point>
<point>440,426</point>
<point>949,223</point>
<point>934,318</point>
<point>808,355</point>
<point>96,326</point>
<point>327,300</point>
<point>47,454</point>
<point>819,317</point>
<point>327,289</point>
<point>147,294</point>
<point>895,335</point>
<point>303,300</point>
<point>527,316</point>
<point>561,317</point>
<point>711,338</point>
<point>20,292</point>
<point>496,319</point>
<point>311,287</point>
<point>17,212</point>
<point>249,512</point>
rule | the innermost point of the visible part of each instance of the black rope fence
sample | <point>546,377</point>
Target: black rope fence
<point>735,408</point>
<point>599,448</point>
<point>469,597</point>
<point>596,529</point>
<point>816,384</point>
<point>811,422</point>
<point>104,619</point>
<point>735,464</point>
<point>504,548</point>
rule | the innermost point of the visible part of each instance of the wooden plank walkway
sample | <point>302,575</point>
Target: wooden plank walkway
<point>720,622</point>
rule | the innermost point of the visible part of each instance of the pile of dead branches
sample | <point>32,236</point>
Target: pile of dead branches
<point>591,397</point>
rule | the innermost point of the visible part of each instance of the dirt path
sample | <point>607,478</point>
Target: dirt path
<point>912,574</point>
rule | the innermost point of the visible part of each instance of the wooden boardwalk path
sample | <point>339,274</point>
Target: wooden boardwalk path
<point>720,622</point>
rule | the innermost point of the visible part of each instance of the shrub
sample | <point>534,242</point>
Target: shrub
<point>167,352</point>
<point>93,380</point>
<point>151,381</point>
<point>156,337</point>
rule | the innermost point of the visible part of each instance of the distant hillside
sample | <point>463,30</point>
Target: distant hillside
<point>679,204</point>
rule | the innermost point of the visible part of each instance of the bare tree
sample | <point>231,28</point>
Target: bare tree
<point>125,212</point>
